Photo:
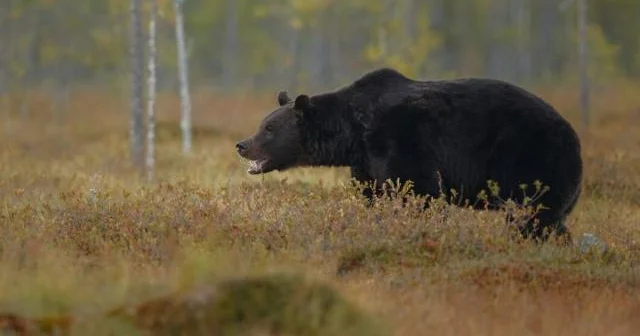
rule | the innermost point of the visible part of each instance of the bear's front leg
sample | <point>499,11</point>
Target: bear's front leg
<point>360,175</point>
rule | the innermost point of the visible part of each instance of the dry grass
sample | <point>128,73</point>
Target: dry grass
<point>83,236</point>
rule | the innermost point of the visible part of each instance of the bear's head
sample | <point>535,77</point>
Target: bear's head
<point>277,145</point>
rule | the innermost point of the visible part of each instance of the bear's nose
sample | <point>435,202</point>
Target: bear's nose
<point>241,146</point>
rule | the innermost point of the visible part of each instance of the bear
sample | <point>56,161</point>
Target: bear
<point>458,134</point>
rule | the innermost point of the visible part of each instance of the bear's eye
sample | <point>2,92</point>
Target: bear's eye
<point>269,128</point>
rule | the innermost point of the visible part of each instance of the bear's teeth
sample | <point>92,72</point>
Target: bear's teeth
<point>254,165</point>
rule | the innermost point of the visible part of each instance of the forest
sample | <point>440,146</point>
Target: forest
<point>317,44</point>
<point>126,210</point>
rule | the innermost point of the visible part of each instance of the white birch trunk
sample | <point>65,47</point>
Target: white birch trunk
<point>185,102</point>
<point>151,87</point>
<point>137,100</point>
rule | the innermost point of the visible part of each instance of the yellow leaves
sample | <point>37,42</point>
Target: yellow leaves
<point>50,52</point>
<point>373,53</point>
<point>295,23</point>
<point>15,13</point>
<point>306,12</point>
<point>310,6</point>
<point>260,11</point>
<point>164,6</point>
<point>101,37</point>
<point>117,6</point>
<point>20,8</point>
<point>165,9</point>
<point>394,47</point>
<point>18,70</point>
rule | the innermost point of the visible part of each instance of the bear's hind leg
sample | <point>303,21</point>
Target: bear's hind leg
<point>544,225</point>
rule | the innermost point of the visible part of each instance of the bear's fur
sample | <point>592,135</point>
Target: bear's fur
<point>440,134</point>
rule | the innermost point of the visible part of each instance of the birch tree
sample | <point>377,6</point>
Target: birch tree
<point>584,67</point>
<point>5,26</point>
<point>229,73</point>
<point>583,64</point>
<point>523,15</point>
<point>137,69</point>
<point>185,101</point>
<point>151,87</point>
<point>269,42</point>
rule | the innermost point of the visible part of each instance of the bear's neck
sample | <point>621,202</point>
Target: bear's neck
<point>332,136</point>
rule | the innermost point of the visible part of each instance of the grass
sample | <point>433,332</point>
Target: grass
<point>89,247</point>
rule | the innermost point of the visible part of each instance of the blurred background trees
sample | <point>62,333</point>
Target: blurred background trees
<point>315,44</point>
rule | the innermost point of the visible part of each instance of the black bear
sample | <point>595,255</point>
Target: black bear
<point>440,134</point>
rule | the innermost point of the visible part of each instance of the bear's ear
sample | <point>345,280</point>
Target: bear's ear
<point>283,98</point>
<point>302,103</point>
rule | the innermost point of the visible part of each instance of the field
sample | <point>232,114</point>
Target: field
<point>84,236</point>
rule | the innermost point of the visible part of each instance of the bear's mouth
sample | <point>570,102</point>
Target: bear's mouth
<point>257,166</point>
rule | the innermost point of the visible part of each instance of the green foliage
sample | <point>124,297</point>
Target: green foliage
<point>604,65</point>
<point>396,44</point>
<point>272,304</point>
<point>320,43</point>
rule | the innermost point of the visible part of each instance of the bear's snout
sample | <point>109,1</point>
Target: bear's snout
<point>242,147</point>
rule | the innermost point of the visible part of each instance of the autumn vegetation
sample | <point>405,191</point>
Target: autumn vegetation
<point>89,246</point>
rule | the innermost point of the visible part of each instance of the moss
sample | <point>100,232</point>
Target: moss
<point>275,305</point>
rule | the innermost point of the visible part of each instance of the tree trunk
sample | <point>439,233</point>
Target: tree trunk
<point>294,38</point>
<point>137,103</point>
<point>185,101</point>
<point>524,37</point>
<point>229,68</point>
<point>497,51</point>
<point>546,46</point>
<point>584,66</point>
<point>151,82</point>
<point>5,27</point>
<point>319,78</point>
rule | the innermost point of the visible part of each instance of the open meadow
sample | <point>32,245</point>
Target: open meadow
<point>89,246</point>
